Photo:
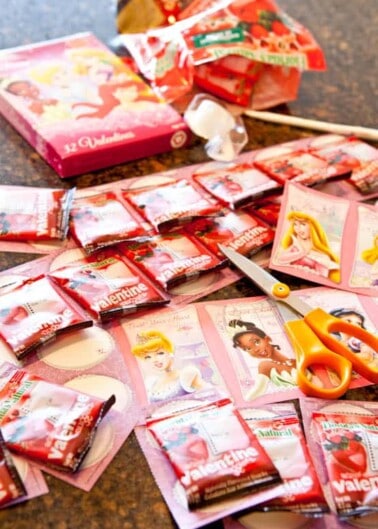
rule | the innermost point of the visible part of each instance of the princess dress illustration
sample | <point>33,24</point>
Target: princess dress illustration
<point>273,366</point>
<point>370,256</point>
<point>305,245</point>
<point>162,379</point>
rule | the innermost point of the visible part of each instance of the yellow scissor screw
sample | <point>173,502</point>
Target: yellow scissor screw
<point>280,290</point>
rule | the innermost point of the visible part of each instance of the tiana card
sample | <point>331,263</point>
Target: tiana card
<point>327,240</point>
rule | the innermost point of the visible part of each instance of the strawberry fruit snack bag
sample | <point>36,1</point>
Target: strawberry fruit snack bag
<point>33,314</point>
<point>48,423</point>
<point>213,452</point>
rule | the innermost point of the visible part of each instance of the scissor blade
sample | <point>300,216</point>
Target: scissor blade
<point>264,280</point>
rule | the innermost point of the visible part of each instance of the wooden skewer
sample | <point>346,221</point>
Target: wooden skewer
<point>335,128</point>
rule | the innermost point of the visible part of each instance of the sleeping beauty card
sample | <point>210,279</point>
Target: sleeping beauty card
<point>327,240</point>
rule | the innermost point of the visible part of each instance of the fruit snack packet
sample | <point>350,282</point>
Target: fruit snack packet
<point>170,205</point>
<point>235,184</point>
<point>33,213</point>
<point>238,230</point>
<point>267,209</point>
<point>11,485</point>
<point>343,436</point>
<point>34,313</point>
<point>172,258</point>
<point>103,219</point>
<point>279,431</point>
<point>108,286</point>
<point>212,451</point>
<point>299,166</point>
<point>48,423</point>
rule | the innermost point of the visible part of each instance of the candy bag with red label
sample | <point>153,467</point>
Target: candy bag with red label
<point>343,439</point>
<point>349,445</point>
<point>172,259</point>
<point>47,422</point>
<point>33,213</point>
<point>34,313</point>
<point>235,184</point>
<point>108,286</point>
<point>11,486</point>
<point>213,452</point>
<point>279,431</point>
<point>170,205</point>
<point>102,220</point>
<point>237,230</point>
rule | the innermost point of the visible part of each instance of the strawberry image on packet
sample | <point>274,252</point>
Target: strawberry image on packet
<point>102,220</point>
<point>34,313</point>
<point>33,213</point>
<point>106,285</point>
<point>46,422</point>
<point>171,259</point>
<point>213,452</point>
<point>170,205</point>
<point>349,444</point>
<point>11,486</point>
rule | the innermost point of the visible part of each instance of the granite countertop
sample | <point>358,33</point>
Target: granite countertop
<point>126,496</point>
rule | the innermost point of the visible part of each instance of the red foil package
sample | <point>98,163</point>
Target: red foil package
<point>302,167</point>
<point>267,209</point>
<point>171,205</point>
<point>280,433</point>
<point>348,442</point>
<point>213,452</point>
<point>237,230</point>
<point>33,314</point>
<point>11,486</point>
<point>235,184</point>
<point>107,286</point>
<point>33,213</point>
<point>102,220</point>
<point>172,258</point>
<point>46,422</point>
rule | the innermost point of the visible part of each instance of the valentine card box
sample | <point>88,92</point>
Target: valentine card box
<point>82,108</point>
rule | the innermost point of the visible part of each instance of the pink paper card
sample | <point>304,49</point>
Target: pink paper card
<point>90,361</point>
<point>327,240</point>
<point>210,345</point>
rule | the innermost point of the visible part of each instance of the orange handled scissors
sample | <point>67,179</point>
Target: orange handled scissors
<point>311,337</point>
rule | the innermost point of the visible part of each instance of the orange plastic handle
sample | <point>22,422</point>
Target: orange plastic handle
<point>323,324</point>
<point>311,351</point>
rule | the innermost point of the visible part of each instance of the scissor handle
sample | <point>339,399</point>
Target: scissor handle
<point>310,351</point>
<point>324,324</point>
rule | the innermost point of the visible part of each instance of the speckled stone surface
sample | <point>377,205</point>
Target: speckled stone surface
<point>126,496</point>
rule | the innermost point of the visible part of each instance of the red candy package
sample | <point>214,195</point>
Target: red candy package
<point>33,213</point>
<point>172,258</point>
<point>107,286</point>
<point>47,422</point>
<point>302,167</point>
<point>102,220</point>
<point>348,442</point>
<point>278,429</point>
<point>33,314</point>
<point>170,205</point>
<point>235,184</point>
<point>213,452</point>
<point>231,87</point>
<point>267,209</point>
<point>11,486</point>
<point>237,230</point>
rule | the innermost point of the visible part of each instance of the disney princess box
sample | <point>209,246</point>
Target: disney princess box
<point>82,108</point>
